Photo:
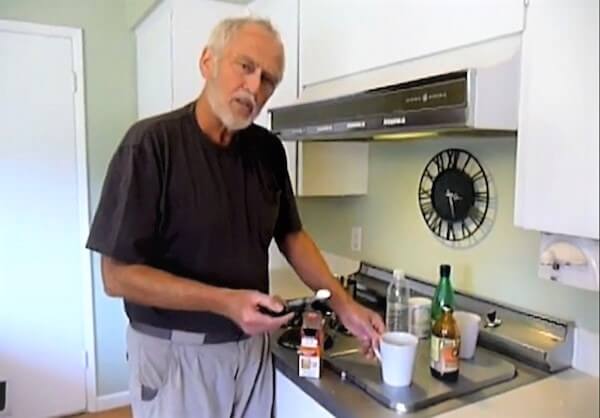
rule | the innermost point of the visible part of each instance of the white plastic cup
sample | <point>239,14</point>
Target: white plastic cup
<point>397,356</point>
<point>419,317</point>
<point>468,326</point>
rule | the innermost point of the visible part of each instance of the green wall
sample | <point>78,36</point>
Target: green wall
<point>135,10</point>
<point>109,53</point>
<point>502,266</point>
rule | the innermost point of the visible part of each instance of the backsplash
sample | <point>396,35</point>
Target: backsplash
<point>502,266</point>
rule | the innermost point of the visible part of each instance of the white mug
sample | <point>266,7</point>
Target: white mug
<point>397,351</point>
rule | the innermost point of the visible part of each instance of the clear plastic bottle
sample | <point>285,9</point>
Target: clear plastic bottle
<point>396,316</point>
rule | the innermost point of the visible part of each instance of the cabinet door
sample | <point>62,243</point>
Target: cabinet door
<point>291,401</point>
<point>193,20</point>
<point>153,52</point>
<point>343,37</point>
<point>557,157</point>
<point>283,14</point>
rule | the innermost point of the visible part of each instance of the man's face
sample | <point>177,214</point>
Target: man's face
<point>244,76</point>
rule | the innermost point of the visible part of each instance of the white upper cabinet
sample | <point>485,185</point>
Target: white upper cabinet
<point>343,37</point>
<point>557,157</point>
<point>169,43</point>
<point>154,77</point>
<point>316,169</point>
<point>193,20</point>
<point>168,47</point>
<point>283,14</point>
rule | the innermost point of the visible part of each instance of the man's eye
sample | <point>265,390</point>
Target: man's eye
<point>247,67</point>
<point>268,82</point>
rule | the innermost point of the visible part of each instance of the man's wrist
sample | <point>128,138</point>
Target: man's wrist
<point>340,299</point>
<point>221,301</point>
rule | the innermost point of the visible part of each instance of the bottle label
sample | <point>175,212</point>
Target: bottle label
<point>444,354</point>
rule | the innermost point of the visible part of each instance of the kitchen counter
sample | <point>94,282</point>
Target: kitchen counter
<point>568,394</point>
<point>344,400</point>
<point>532,394</point>
<point>564,395</point>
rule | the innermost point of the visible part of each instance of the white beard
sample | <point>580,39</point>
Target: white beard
<point>222,111</point>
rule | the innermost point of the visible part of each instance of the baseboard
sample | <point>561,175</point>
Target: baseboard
<point>112,401</point>
<point>587,349</point>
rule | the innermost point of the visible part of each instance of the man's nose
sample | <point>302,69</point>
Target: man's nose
<point>253,81</point>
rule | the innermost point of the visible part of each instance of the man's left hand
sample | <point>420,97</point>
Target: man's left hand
<point>363,323</point>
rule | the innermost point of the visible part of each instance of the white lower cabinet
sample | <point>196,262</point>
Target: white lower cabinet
<point>291,401</point>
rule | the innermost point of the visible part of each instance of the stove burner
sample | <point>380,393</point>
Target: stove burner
<point>291,339</point>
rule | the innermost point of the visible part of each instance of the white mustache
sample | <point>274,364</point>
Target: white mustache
<point>245,98</point>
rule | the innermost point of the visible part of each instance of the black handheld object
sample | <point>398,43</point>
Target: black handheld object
<point>293,305</point>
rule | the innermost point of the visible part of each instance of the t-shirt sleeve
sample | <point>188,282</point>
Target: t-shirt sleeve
<point>126,222</point>
<point>288,219</point>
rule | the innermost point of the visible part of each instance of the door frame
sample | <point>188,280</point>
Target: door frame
<point>75,36</point>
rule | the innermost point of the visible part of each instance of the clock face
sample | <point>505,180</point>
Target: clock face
<point>454,195</point>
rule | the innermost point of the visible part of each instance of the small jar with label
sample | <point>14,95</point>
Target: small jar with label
<point>311,345</point>
<point>445,347</point>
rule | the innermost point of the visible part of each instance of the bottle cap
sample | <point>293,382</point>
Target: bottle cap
<point>398,274</point>
<point>445,270</point>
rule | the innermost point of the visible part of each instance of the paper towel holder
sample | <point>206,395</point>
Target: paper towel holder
<point>569,260</point>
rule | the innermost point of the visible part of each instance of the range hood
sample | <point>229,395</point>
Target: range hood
<point>474,101</point>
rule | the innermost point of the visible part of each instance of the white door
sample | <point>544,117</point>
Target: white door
<point>42,267</point>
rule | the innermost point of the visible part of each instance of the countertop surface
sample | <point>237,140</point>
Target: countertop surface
<point>344,400</point>
<point>567,394</point>
<point>570,394</point>
<point>532,394</point>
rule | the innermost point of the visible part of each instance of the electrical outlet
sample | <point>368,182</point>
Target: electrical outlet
<point>356,240</point>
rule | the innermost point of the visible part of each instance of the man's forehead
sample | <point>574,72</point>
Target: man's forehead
<point>259,44</point>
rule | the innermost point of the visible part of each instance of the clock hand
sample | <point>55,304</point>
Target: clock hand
<point>451,198</point>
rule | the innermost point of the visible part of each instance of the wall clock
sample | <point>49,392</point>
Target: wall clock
<point>455,196</point>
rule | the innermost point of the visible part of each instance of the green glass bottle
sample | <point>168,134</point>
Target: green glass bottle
<point>444,294</point>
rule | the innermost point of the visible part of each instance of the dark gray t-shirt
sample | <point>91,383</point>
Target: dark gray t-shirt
<point>174,200</point>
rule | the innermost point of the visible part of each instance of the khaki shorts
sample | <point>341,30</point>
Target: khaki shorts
<point>175,379</point>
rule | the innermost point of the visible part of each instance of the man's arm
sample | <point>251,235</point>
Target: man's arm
<point>306,259</point>
<point>153,287</point>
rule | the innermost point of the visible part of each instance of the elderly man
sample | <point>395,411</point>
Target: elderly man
<point>190,204</point>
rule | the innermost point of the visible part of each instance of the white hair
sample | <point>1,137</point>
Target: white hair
<point>227,28</point>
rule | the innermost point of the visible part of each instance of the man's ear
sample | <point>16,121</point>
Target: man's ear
<point>207,62</point>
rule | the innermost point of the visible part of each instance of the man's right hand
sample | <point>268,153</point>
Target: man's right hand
<point>242,308</point>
